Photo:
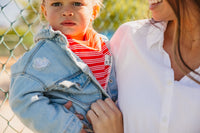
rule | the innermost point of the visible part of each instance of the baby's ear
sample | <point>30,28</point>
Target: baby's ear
<point>96,10</point>
<point>43,9</point>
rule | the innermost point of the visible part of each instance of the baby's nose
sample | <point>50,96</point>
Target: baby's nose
<point>67,13</point>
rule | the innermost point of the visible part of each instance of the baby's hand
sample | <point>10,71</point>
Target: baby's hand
<point>68,105</point>
<point>83,131</point>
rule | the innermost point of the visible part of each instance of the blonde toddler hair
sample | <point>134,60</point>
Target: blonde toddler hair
<point>97,2</point>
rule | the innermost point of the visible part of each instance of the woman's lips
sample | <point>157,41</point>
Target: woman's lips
<point>152,6</point>
<point>154,3</point>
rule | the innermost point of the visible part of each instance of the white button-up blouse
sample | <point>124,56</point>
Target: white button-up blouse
<point>150,99</point>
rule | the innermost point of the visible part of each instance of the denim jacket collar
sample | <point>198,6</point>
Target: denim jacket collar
<point>51,34</point>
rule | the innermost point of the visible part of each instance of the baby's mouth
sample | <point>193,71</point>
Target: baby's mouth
<point>68,23</point>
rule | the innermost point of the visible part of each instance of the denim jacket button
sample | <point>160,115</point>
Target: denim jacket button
<point>78,84</point>
<point>110,80</point>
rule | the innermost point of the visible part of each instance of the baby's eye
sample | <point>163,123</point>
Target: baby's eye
<point>56,4</point>
<point>77,4</point>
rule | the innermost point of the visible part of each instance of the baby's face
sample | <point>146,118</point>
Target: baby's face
<point>71,17</point>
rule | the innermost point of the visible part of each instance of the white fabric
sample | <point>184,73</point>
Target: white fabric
<point>149,98</point>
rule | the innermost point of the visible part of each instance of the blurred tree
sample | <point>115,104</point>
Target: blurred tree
<point>116,12</point>
<point>18,38</point>
<point>30,13</point>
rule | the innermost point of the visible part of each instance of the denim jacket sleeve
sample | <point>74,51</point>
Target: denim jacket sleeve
<point>28,101</point>
<point>33,108</point>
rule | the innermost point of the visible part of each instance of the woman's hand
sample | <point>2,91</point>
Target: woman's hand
<point>105,117</point>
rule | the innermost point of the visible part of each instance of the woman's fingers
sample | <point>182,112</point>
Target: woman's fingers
<point>108,108</point>
<point>104,106</point>
<point>114,107</point>
<point>105,117</point>
<point>92,116</point>
<point>97,112</point>
<point>97,108</point>
<point>111,104</point>
<point>111,111</point>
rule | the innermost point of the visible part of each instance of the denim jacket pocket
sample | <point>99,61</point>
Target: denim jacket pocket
<point>69,84</point>
<point>79,88</point>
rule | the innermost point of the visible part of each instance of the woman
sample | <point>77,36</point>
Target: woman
<point>158,65</point>
<point>158,71</point>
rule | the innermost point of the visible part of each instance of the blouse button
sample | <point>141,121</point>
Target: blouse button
<point>164,119</point>
<point>170,82</point>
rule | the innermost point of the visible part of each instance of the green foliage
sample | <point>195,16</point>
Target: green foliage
<point>18,41</point>
<point>30,14</point>
<point>117,12</point>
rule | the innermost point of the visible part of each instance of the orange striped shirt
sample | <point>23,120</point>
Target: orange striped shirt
<point>95,59</point>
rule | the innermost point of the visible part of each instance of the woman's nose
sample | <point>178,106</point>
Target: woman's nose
<point>67,13</point>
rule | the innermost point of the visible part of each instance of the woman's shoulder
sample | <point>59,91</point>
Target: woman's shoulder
<point>135,25</point>
<point>137,33</point>
<point>131,29</point>
<point>137,22</point>
<point>142,25</point>
<point>140,29</point>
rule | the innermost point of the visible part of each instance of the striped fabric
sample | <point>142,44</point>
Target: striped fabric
<point>95,59</point>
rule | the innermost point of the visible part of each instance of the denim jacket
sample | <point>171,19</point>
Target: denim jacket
<point>46,78</point>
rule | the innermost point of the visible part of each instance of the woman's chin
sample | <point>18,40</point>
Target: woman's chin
<point>157,19</point>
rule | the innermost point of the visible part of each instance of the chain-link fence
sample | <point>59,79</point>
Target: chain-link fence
<point>21,19</point>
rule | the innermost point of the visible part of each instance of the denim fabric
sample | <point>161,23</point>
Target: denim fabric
<point>47,77</point>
